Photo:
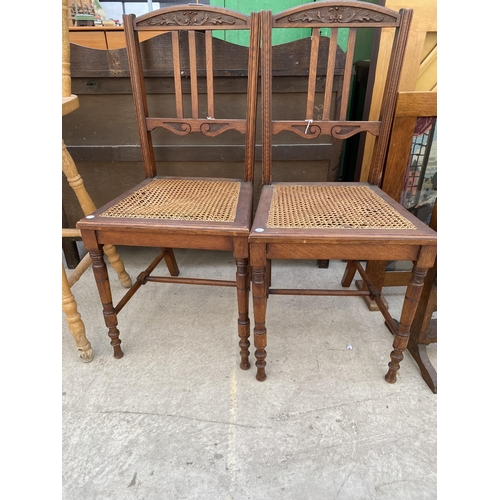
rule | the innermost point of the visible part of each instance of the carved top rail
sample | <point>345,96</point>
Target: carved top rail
<point>194,17</point>
<point>366,15</point>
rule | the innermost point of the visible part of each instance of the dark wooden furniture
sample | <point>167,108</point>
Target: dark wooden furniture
<point>175,211</point>
<point>410,106</point>
<point>350,221</point>
<point>423,330</point>
<point>109,157</point>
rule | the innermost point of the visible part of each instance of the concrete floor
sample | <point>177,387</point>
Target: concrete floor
<point>176,418</point>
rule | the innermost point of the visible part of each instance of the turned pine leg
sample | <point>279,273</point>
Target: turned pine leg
<point>412,296</point>
<point>117,264</point>
<point>243,295</point>
<point>102,281</point>
<point>73,318</point>
<point>259,295</point>
<point>76,182</point>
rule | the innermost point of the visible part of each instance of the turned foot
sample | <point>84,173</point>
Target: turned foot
<point>261,366</point>
<point>86,354</point>
<point>396,358</point>
<point>419,354</point>
<point>118,353</point>
<point>114,335</point>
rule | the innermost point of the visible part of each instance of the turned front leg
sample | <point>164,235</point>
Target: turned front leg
<point>259,295</point>
<point>243,292</point>
<point>102,281</point>
<point>412,296</point>
<point>243,296</point>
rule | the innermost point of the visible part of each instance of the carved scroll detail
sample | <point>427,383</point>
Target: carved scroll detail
<point>214,129</point>
<point>338,15</point>
<point>339,130</point>
<point>190,18</point>
<point>177,128</point>
<point>210,128</point>
<point>312,130</point>
<point>346,131</point>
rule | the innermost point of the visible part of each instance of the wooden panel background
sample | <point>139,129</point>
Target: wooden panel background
<point>103,38</point>
<point>420,67</point>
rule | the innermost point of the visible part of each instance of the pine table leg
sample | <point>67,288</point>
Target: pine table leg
<point>75,323</point>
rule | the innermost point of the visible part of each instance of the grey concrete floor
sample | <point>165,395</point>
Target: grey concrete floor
<point>176,418</point>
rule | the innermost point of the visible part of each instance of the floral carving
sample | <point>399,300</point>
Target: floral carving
<point>340,15</point>
<point>191,18</point>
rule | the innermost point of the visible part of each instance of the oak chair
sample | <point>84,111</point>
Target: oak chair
<point>334,220</point>
<point>169,212</point>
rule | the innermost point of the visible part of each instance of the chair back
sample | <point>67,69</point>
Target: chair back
<point>326,109</point>
<point>191,60</point>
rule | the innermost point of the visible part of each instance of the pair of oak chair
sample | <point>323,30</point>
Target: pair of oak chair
<point>321,221</point>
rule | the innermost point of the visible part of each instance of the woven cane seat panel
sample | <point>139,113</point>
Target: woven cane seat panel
<point>180,199</point>
<point>332,207</point>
